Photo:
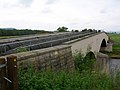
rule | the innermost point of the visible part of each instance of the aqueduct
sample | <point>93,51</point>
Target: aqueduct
<point>95,44</point>
<point>53,52</point>
<point>56,51</point>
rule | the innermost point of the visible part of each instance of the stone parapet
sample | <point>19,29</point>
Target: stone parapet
<point>53,58</point>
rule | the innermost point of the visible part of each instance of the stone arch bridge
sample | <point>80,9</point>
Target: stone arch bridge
<point>51,52</point>
<point>55,51</point>
<point>95,43</point>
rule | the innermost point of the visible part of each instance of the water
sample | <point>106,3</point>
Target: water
<point>114,66</point>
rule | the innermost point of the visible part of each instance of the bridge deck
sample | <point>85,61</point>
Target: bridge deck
<point>42,42</point>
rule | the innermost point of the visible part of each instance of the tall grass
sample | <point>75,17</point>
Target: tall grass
<point>31,80</point>
<point>80,79</point>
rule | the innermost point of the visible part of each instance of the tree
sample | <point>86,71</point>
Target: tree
<point>90,30</point>
<point>84,30</point>
<point>62,29</point>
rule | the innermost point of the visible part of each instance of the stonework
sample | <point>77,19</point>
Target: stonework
<point>102,63</point>
<point>60,57</point>
<point>54,58</point>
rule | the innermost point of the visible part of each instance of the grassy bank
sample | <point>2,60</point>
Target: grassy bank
<point>116,46</point>
<point>31,80</point>
<point>115,37</point>
<point>79,79</point>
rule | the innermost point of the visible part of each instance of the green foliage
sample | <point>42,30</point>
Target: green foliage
<point>86,63</point>
<point>116,47</point>
<point>20,32</point>
<point>113,54</point>
<point>78,59</point>
<point>89,61</point>
<point>115,37</point>
<point>31,80</point>
<point>21,49</point>
<point>62,29</point>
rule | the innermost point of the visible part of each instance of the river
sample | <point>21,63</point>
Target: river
<point>114,66</point>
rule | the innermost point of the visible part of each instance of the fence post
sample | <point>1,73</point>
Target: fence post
<point>3,83</point>
<point>12,72</point>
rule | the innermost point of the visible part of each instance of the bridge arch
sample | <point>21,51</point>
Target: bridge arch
<point>103,45</point>
<point>95,43</point>
<point>89,60</point>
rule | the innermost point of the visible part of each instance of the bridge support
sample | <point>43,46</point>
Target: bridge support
<point>108,47</point>
<point>102,63</point>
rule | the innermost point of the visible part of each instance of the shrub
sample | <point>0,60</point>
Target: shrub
<point>31,80</point>
<point>80,79</point>
<point>84,63</point>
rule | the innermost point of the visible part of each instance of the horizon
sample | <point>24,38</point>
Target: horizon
<point>51,14</point>
<point>56,29</point>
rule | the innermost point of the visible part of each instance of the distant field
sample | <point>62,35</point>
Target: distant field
<point>116,47</point>
<point>115,37</point>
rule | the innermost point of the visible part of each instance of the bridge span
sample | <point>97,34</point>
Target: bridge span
<point>56,51</point>
<point>95,43</point>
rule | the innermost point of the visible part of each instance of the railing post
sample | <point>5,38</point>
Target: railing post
<point>12,72</point>
<point>3,83</point>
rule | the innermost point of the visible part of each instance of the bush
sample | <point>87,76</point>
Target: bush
<point>31,80</point>
<point>84,63</point>
<point>80,79</point>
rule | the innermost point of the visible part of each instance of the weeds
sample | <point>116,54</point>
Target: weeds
<point>80,79</point>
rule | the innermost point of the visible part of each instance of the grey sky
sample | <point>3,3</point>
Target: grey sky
<point>51,14</point>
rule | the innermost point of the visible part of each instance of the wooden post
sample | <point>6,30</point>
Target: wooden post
<point>3,83</point>
<point>12,72</point>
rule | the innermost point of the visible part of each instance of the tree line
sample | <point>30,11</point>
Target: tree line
<point>15,32</point>
<point>65,29</point>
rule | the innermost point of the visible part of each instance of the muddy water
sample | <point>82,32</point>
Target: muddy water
<point>114,66</point>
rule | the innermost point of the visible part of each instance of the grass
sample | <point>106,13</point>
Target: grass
<point>113,54</point>
<point>31,79</point>
<point>116,47</point>
<point>21,49</point>
<point>115,37</point>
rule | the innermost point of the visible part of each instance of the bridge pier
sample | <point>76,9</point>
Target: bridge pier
<point>108,47</point>
<point>102,63</point>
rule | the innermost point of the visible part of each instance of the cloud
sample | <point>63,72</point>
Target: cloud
<point>51,1</point>
<point>26,3</point>
<point>8,4</point>
<point>50,14</point>
<point>15,3</point>
<point>46,10</point>
<point>103,11</point>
